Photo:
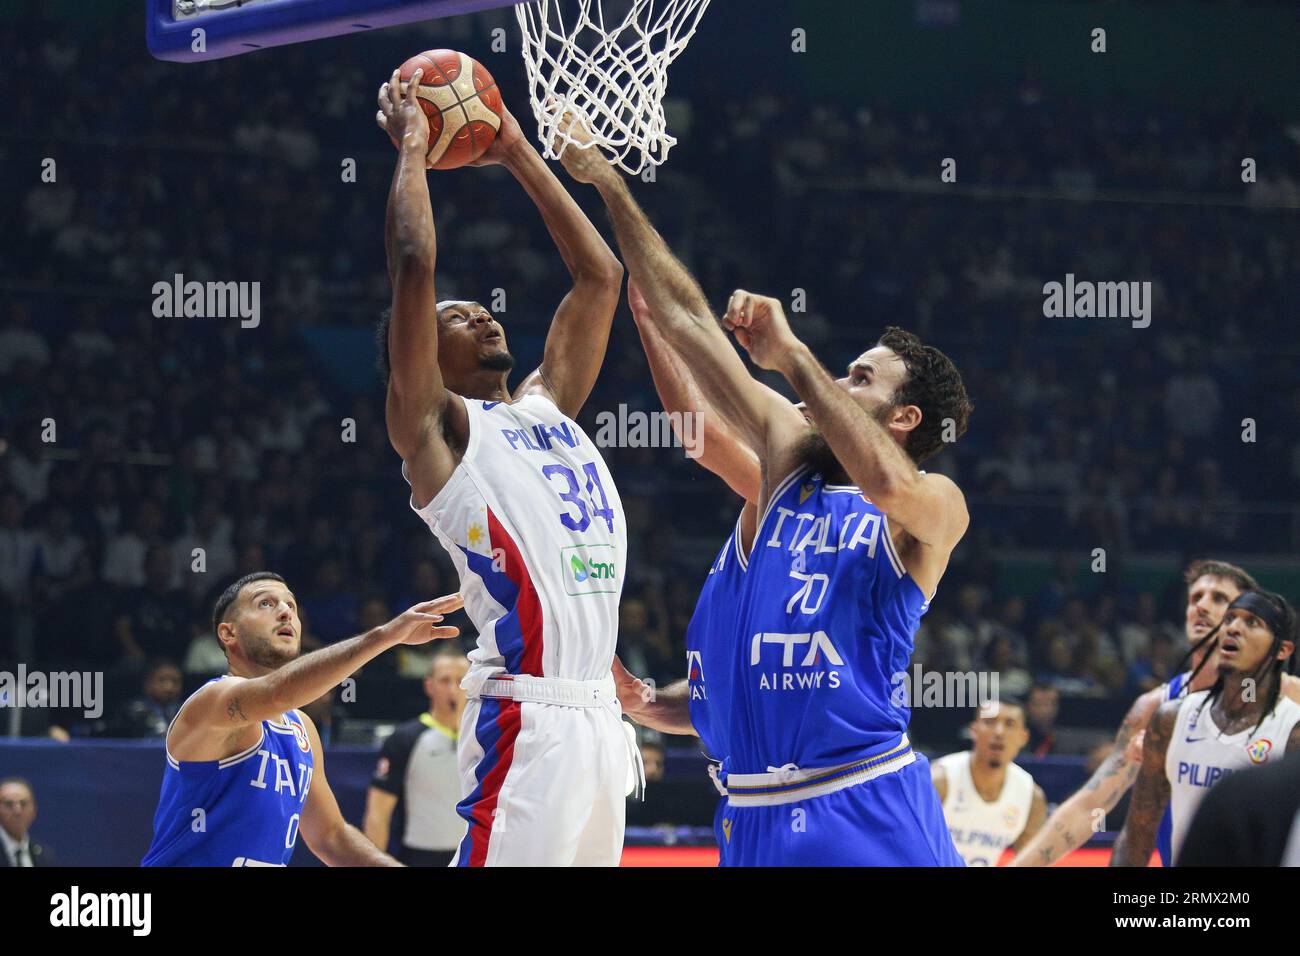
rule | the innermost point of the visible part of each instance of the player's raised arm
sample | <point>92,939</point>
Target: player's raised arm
<point>717,446</point>
<point>334,841</point>
<point>1135,843</point>
<point>579,333</point>
<point>1076,819</point>
<point>929,506</point>
<point>678,308</point>
<point>235,702</point>
<point>416,397</point>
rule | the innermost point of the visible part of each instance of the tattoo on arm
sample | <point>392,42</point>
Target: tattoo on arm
<point>235,712</point>
<point>1151,796</point>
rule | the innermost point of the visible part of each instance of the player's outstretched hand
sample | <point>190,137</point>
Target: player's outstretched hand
<point>634,694</point>
<point>760,326</point>
<point>582,159</point>
<point>419,624</point>
<point>509,138</point>
<point>400,114</point>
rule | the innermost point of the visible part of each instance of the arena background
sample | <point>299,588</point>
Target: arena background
<point>813,172</point>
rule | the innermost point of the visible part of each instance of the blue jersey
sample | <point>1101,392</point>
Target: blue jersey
<point>242,810</point>
<point>709,644</point>
<point>823,628</point>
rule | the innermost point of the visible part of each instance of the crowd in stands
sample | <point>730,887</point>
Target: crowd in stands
<point>147,461</point>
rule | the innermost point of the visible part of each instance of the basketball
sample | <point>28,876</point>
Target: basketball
<point>463,104</point>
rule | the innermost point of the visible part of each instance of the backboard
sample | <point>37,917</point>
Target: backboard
<point>188,30</point>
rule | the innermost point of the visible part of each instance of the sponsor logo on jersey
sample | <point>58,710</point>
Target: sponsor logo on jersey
<point>1258,750</point>
<point>695,675</point>
<point>300,735</point>
<point>589,569</point>
<point>811,672</point>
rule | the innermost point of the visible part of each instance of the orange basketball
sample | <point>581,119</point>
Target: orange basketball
<point>462,102</point>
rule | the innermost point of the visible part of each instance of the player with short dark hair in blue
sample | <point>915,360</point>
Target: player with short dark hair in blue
<point>244,767</point>
<point>812,608</point>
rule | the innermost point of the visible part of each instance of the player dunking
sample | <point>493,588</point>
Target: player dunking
<point>521,500</point>
<point>1243,720</point>
<point>990,803</point>
<point>832,586</point>
<point>244,770</point>
<point>1211,587</point>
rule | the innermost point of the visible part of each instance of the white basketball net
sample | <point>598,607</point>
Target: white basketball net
<point>609,66</point>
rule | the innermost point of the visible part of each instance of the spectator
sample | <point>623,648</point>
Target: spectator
<point>417,772</point>
<point>1041,710</point>
<point>151,713</point>
<point>17,814</point>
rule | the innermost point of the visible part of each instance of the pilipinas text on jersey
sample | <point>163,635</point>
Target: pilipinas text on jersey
<point>823,626</point>
<point>243,810</point>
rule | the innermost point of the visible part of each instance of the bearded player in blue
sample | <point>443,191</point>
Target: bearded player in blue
<point>816,618</point>
<point>245,771</point>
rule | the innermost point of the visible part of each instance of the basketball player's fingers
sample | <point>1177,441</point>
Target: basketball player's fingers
<point>385,102</point>
<point>382,120</point>
<point>413,84</point>
<point>619,671</point>
<point>425,635</point>
<point>441,605</point>
<point>445,604</point>
<point>394,86</point>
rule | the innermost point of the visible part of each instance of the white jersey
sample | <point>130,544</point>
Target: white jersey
<point>534,526</point>
<point>1199,754</point>
<point>981,829</point>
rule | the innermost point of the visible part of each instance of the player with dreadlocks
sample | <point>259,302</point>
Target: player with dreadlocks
<point>1242,721</point>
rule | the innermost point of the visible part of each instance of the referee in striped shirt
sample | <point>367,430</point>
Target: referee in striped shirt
<point>417,773</point>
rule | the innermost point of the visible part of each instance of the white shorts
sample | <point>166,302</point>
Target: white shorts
<point>542,784</point>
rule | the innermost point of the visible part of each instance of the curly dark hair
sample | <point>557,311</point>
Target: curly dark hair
<point>933,385</point>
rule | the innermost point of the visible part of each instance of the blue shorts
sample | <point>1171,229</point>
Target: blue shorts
<point>894,820</point>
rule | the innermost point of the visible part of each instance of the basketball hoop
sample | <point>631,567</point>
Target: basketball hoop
<point>610,69</point>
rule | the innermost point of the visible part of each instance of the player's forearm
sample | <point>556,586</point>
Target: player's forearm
<point>301,681</point>
<point>409,237</point>
<point>1080,816</point>
<point>716,447</point>
<point>377,823</point>
<point>873,460</point>
<point>1065,831</point>
<point>586,255</point>
<point>1135,843</point>
<point>669,711</point>
<point>348,846</point>
<point>676,302</point>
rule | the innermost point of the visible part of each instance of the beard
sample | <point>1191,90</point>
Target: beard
<point>497,362</point>
<point>270,654</point>
<point>813,449</point>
